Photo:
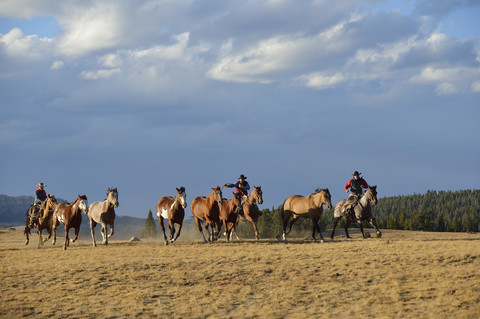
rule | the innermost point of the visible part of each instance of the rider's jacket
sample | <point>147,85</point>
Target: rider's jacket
<point>356,186</point>
<point>40,196</point>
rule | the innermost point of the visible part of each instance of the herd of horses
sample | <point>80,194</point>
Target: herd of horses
<point>210,212</point>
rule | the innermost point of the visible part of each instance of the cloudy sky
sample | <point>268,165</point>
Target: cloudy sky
<point>151,95</point>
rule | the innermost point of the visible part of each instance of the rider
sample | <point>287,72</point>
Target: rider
<point>242,188</point>
<point>355,184</point>
<point>39,197</point>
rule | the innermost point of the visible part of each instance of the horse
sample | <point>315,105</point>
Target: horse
<point>44,212</point>
<point>70,215</point>
<point>306,207</point>
<point>228,214</point>
<point>103,213</point>
<point>208,209</point>
<point>250,208</point>
<point>173,210</point>
<point>363,212</point>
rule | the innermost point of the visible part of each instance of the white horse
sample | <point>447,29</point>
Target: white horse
<point>103,213</point>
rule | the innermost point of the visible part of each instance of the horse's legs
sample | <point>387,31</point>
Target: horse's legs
<point>294,219</point>
<point>67,239</point>
<point>27,233</point>
<point>361,229</point>
<point>179,229</point>
<point>199,225</point>
<point>104,234</point>
<point>40,239</point>
<point>373,223</point>
<point>92,231</point>
<point>347,223</point>
<point>171,227</point>
<point>112,231</point>
<point>316,227</point>
<point>234,229</point>
<point>54,230</point>
<point>160,221</point>
<point>335,222</point>
<point>77,230</point>
<point>285,217</point>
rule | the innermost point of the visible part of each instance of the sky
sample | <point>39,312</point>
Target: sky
<point>150,95</point>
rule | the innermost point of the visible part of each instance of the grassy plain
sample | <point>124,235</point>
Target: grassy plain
<point>401,275</point>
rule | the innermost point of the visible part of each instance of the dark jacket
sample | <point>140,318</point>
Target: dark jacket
<point>40,196</point>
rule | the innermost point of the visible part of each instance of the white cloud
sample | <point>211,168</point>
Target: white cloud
<point>321,81</point>
<point>89,29</point>
<point>57,65</point>
<point>99,74</point>
<point>476,86</point>
<point>18,45</point>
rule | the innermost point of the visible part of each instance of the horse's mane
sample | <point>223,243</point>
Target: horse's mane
<point>318,190</point>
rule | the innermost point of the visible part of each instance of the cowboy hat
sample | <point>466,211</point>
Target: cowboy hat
<point>41,185</point>
<point>356,173</point>
<point>242,177</point>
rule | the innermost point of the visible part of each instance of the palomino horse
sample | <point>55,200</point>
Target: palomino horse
<point>363,211</point>
<point>70,216</point>
<point>103,213</point>
<point>208,209</point>
<point>44,213</point>
<point>250,208</point>
<point>173,210</point>
<point>228,215</point>
<point>306,207</point>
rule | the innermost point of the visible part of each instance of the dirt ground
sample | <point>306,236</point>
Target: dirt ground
<point>401,275</point>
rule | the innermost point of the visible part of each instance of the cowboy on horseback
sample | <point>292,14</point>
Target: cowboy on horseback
<point>242,188</point>
<point>39,197</point>
<point>356,185</point>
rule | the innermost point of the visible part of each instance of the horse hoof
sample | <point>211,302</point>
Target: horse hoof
<point>322,241</point>
<point>166,243</point>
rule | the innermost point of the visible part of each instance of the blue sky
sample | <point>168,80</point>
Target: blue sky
<point>147,96</point>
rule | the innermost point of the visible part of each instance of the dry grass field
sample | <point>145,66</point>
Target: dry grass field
<point>401,275</point>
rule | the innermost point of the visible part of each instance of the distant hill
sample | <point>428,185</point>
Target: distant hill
<point>13,210</point>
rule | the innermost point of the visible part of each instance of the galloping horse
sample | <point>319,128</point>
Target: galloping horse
<point>306,207</point>
<point>70,216</point>
<point>228,214</point>
<point>363,211</point>
<point>45,212</point>
<point>250,208</point>
<point>103,213</point>
<point>208,209</point>
<point>173,210</point>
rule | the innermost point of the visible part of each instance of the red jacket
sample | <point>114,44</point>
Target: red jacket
<point>361,181</point>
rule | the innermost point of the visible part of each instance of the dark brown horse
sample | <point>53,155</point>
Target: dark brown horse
<point>40,215</point>
<point>207,209</point>
<point>173,210</point>
<point>228,214</point>
<point>362,212</point>
<point>306,207</point>
<point>70,215</point>
<point>103,213</point>
<point>250,208</point>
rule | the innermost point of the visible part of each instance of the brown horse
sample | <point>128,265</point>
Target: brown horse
<point>250,208</point>
<point>103,213</point>
<point>363,212</point>
<point>41,217</point>
<point>207,209</point>
<point>306,207</point>
<point>228,214</point>
<point>173,210</point>
<point>70,216</point>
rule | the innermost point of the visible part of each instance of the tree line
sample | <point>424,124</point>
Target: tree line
<point>451,211</point>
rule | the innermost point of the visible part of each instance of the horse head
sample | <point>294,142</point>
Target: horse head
<point>257,194</point>
<point>323,197</point>
<point>112,197</point>
<point>83,203</point>
<point>217,194</point>
<point>182,196</point>
<point>372,197</point>
<point>51,202</point>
